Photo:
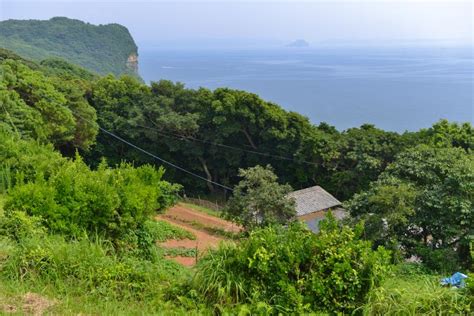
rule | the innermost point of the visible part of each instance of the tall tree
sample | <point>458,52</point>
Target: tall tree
<point>424,202</point>
<point>259,200</point>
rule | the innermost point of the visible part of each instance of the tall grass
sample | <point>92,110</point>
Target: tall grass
<point>418,295</point>
<point>216,279</point>
<point>5,178</point>
<point>88,265</point>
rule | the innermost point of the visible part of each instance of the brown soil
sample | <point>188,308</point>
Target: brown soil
<point>35,304</point>
<point>185,261</point>
<point>186,214</point>
<point>8,309</point>
<point>182,217</point>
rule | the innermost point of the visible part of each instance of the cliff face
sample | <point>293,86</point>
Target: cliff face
<point>132,63</point>
<point>101,48</point>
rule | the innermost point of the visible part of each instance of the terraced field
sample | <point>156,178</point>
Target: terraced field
<point>209,232</point>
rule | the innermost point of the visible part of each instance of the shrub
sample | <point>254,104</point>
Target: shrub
<point>293,270</point>
<point>18,226</point>
<point>25,160</point>
<point>107,201</point>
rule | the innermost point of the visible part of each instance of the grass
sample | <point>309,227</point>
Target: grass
<point>85,277</point>
<point>162,231</point>
<point>203,209</point>
<point>181,252</point>
<point>71,301</point>
<point>417,294</point>
<point>2,202</point>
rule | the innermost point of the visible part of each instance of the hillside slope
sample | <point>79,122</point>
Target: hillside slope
<point>101,48</point>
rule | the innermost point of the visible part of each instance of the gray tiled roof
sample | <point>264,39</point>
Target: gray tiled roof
<point>313,199</point>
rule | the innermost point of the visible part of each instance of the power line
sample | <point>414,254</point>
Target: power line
<point>180,137</point>
<point>154,156</point>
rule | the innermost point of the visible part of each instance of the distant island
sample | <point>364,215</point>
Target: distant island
<point>100,48</point>
<point>298,43</point>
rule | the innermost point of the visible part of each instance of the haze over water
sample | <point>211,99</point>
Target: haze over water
<point>396,89</point>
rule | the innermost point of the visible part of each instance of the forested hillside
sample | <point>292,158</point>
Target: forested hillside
<point>80,188</point>
<point>100,48</point>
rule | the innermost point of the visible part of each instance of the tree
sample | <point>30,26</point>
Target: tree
<point>362,154</point>
<point>426,202</point>
<point>258,199</point>
<point>44,108</point>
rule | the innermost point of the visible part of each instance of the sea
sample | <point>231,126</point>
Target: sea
<point>395,88</point>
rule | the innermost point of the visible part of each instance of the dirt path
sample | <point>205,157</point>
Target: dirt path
<point>186,214</point>
<point>198,223</point>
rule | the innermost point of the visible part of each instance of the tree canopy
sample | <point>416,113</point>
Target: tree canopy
<point>423,202</point>
<point>259,200</point>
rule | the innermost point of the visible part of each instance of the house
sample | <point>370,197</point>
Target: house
<point>312,205</point>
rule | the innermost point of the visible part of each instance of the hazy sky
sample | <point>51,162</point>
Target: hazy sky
<point>158,23</point>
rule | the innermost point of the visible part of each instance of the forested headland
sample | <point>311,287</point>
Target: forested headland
<point>82,175</point>
<point>102,49</point>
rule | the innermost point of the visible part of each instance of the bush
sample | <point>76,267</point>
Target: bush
<point>110,202</point>
<point>443,260</point>
<point>293,270</point>
<point>18,226</point>
<point>25,160</point>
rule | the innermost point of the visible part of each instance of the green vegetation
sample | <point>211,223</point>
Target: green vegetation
<point>182,252</point>
<point>79,230</point>
<point>103,48</point>
<point>44,108</point>
<point>423,202</point>
<point>292,270</point>
<point>258,200</point>
<point>162,231</point>
<point>203,209</point>
<point>417,293</point>
<point>107,201</point>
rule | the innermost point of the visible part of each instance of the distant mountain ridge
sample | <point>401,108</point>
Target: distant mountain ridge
<point>100,48</point>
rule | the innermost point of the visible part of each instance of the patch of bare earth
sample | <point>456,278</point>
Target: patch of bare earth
<point>35,304</point>
<point>199,224</point>
<point>31,304</point>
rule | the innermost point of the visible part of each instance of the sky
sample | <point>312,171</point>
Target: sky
<point>156,23</point>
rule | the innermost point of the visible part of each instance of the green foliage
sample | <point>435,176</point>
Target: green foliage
<point>8,54</point>
<point>23,160</point>
<point>103,48</point>
<point>361,155</point>
<point>60,68</point>
<point>194,128</point>
<point>44,108</point>
<point>258,200</point>
<point>106,201</point>
<point>447,134</point>
<point>417,294</point>
<point>18,226</point>
<point>423,202</point>
<point>91,266</point>
<point>163,231</point>
<point>182,252</point>
<point>292,270</point>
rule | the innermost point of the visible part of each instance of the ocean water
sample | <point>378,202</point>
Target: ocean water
<point>395,89</point>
